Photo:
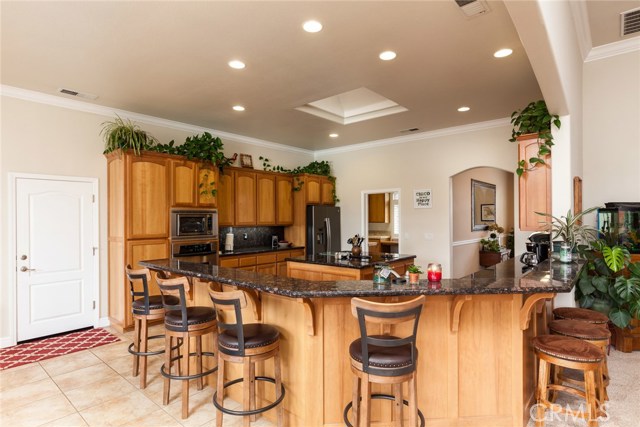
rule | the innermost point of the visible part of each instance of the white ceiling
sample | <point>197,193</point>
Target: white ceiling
<point>169,60</point>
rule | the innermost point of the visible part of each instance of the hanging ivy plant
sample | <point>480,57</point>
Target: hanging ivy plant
<point>204,147</point>
<point>315,168</point>
<point>534,118</point>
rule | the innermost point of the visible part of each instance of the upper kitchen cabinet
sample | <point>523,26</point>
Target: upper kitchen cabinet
<point>379,208</point>
<point>284,200</point>
<point>207,188</point>
<point>226,198</point>
<point>245,194</point>
<point>326,191</point>
<point>266,198</point>
<point>183,183</point>
<point>534,185</point>
<point>312,189</point>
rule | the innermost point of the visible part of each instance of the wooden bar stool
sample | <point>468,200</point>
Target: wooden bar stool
<point>144,309</point>
<point>183,323</point>
<point>573,353</point>
<point>595,333</point>
<point>246,344</point>
<point>384,359</point>
<point>582,314</point>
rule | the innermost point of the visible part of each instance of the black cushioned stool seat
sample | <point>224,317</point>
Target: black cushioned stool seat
<point>246,344</point>
<point>567,352</point>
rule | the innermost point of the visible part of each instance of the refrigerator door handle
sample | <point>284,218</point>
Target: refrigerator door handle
<point>327,224</point>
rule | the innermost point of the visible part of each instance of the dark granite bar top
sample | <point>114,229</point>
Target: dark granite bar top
<point>257,250</point>
<point>347,262</point>
<point>504,278</point>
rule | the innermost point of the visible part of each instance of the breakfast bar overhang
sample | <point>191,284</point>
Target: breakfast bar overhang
<point>475,367</point>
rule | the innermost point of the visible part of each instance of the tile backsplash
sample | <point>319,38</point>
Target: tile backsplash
<point>256,236</point>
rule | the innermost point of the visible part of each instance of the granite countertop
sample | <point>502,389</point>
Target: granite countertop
<point>331,260</point>
<point>257,250</point>
<point>504,278</point>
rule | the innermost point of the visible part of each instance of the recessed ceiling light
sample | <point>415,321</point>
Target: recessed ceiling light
<point>238,65</point>
<point>238,108</point>
<point>387,55</point>
<point>333,135</point>
<point>463,109</point>
<point>502,53</point>
<point>312,26</point>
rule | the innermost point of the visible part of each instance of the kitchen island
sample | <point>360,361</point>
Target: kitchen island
<point>344,267</point>
<point>476,365</point>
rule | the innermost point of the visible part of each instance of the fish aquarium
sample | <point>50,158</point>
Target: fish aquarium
<point>623,219</point>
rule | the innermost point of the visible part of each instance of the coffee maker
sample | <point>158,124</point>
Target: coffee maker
<point>538,245</point>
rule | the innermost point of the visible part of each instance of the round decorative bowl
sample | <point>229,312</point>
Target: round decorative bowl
<point>283,245</point>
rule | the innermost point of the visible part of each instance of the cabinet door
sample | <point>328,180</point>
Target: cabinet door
<point>284,198</point>
<point>267,268</point>
<point>534,185</point>
<point>266,199</point>
<point>379,208</point>
<point>183,183</point>
<point>245,198</point>
<point>326,191</point>
<point>207,188</point>
<point>226,198</point>
<point>140,250</point>
<point>147,197</point>
<point>312,190</point>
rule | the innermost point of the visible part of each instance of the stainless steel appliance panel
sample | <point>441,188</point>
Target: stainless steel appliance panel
<point>323,229</point>
<point>202,251</point>
<point>194,223</point>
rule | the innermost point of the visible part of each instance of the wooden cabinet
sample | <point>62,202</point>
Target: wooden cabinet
<point>534,185</point>
<point>245,183</point>
<point>266,198</point>
<point>183,183</point>
<point>268,262</point>
<point>379,207</point>
<point>226,198</point>
<point>326,191</point>
<point>284,200</point>
<point>207,185</point>
<point>374,246</point>
<point>312,189</point>
<point>138,208</point>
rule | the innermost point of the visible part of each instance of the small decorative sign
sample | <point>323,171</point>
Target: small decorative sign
<point>422,199</point>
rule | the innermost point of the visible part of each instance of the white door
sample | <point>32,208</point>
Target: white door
<point>54,251</point>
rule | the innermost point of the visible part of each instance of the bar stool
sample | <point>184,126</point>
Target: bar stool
<point>183,323</point>
<point>582,314</point>
<point>594,333</point>
<point>144,309</point>
<point>384,359</point>
<point>573,353</point>
<point>246,344</point>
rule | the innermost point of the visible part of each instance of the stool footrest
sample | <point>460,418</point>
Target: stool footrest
<point>253,411</point>
<point>378,396</point>
<point>165,374</point>
<point>146,353</point>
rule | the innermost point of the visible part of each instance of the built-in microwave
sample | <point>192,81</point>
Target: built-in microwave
<point>194,223</point>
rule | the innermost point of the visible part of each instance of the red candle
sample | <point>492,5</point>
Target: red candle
<point>434,272</point>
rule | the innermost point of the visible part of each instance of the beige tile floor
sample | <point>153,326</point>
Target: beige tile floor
<point>95,388</point>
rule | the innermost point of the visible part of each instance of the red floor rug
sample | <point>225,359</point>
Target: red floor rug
<point>47,348</point>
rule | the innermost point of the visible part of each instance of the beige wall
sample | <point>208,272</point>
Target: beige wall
<point>423,163</point>
<point>43,139</point>
<point>465,255</point>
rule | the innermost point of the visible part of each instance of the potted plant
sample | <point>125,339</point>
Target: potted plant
<point>124,134</point>
<point>534,119</point>
<point>571,230</point>
<point>490,246</point>
<point>414,273</point>
<point>610,283</point>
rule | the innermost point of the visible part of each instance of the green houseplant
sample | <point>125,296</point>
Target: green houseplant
<point>570,229</point>
<point>534,119</point>
<point>610,283</point>
<point>414,273</point>
<point>490,250</point>
<point>124,134</point>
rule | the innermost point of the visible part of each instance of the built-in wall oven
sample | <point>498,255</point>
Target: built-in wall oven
<point>194,235</point>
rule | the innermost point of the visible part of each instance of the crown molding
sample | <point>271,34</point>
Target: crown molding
<point>87,107</point>
<point>473,127</point>
<point>581,24</point>
<point>614,49</point>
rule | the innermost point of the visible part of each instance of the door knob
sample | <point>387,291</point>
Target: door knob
<point>23,257</point>
<point>27,269</point>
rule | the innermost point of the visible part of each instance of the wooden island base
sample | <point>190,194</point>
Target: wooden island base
<point>475,366</point>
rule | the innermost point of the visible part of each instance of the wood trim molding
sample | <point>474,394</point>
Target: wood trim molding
<point>532,301</point>
<point>254,296</point>
<point>456,308</point>
<point>309,315</point>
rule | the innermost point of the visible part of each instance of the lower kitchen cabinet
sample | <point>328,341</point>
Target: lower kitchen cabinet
<point>267,263</point>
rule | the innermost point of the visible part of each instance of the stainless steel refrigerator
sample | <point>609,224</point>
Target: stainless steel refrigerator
<point>323,230</point>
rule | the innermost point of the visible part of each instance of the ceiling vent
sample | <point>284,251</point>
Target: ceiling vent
<point>77,94</point>
<point>472,8</point>
<point>630,21</point>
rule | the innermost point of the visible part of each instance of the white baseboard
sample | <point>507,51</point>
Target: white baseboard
<point>103,322</point>
<point>7,342</point>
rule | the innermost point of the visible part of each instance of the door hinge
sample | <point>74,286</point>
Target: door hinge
<point>93,198</point>
<point>95,249</point>
<point>94,305</point>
